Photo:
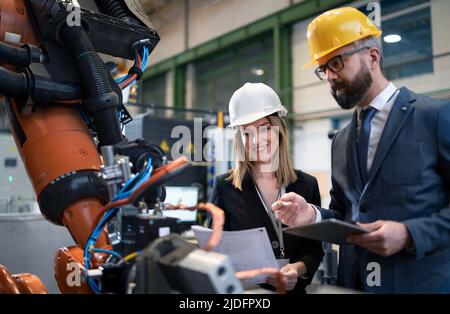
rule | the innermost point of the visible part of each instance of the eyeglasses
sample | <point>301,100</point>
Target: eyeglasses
<point>335,64</point>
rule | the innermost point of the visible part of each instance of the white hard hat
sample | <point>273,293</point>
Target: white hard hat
<point>254,101</point>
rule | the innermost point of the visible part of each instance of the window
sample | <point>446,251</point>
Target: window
<point>219,76</point>
<point>407,38</point>
<point>390,6</point>
<point>154,91</point>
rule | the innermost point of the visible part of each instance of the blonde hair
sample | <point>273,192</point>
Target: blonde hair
<point>284,173</point>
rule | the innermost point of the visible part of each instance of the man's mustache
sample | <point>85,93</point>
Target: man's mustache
<point>338,85</point>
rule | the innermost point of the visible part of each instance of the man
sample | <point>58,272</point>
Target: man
<point>390,166</point>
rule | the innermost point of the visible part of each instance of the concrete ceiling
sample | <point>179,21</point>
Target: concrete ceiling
<point>164,12</point>
<point>153,6</point>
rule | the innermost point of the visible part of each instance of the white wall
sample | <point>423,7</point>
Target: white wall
<point>208,19</point>
<point>440,79</point>
<point>20,187</point>
<point>312,152</point>
<point>221,17</point>
<point>310,94</point>
<point>28,244</point>
<point>170,28</point>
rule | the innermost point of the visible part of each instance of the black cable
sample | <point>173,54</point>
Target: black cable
<point>19,56</point>
<point>103,99</point>
<point>42,90</point>
<point>118,9</point>
<point>13,84</point>
<point>13,55</point>
<point>136,70</point>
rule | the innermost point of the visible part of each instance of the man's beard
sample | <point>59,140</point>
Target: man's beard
<point>352,94</point>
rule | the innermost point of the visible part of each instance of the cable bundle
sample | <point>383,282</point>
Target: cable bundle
<point>130,186</point>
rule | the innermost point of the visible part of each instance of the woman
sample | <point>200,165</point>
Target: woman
<point>263,171</point>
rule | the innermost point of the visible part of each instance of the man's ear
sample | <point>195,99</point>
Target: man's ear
<point>375,58</point>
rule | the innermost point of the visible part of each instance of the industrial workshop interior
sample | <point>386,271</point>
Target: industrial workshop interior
<point>225,147</point>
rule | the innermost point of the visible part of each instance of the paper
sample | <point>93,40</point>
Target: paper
<point>247,249</point>
<point>282,262</point>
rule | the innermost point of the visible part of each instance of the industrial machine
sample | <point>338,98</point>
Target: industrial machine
<point>66,114</point>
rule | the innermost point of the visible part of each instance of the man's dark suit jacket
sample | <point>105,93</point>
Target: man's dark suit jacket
<point>409,182</point>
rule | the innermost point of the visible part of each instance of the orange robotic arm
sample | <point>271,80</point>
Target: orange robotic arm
<point>56,146</point>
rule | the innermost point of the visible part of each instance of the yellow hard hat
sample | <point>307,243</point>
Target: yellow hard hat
<point>335,29</point>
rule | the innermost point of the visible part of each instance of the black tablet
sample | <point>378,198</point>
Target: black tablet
<point>330,230</point>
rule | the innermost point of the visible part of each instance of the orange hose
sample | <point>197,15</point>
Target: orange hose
<point>157,174</point>
<point>125,83</point>
<point>218,219</point>
<point>160,173</point>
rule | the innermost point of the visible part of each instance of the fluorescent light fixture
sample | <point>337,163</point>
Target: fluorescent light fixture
<point>257,72</point>
<point>390,39</point>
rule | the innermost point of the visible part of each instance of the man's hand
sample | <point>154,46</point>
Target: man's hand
<point>293,210</point>
<point>385,237</point>
<point>291,272</point>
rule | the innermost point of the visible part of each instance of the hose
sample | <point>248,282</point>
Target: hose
<point>13,55</point>
<point>102,99</point>
<point>93,73</point>
<point>20,57</point>
<point>118,9</point>
<point>42,90</point>
<point>13,84</point>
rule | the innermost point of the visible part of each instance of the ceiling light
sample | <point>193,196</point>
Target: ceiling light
<point>257,72</point>
<point>390,39</point>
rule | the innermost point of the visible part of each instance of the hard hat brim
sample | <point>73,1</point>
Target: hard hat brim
<point>314,62</point>
<point>252,118</point>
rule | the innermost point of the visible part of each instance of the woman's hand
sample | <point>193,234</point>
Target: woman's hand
<point>291,272</point>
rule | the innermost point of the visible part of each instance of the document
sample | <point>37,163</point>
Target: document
<point>247,249</point>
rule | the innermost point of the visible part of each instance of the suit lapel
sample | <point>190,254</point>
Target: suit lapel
<point>254,202</point>
<point>397,118</point>
<point>352,156</point>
